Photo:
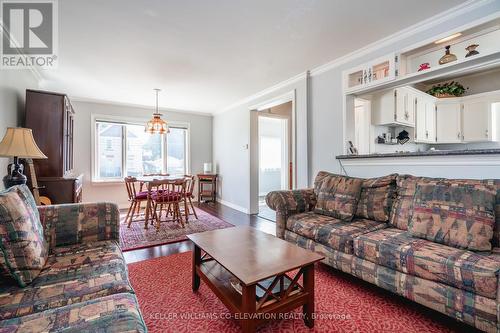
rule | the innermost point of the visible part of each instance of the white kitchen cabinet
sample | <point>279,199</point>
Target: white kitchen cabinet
<point>448,122</point>
<point>394,107</point>
<point>480,121</point>
<point>425,120</point>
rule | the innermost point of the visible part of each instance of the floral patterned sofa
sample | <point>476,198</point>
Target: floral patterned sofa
<point>81,282</point>
<point>433,241</point>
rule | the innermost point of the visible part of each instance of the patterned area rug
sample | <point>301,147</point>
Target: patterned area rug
<point>343,304</point>
<point>136,237</point>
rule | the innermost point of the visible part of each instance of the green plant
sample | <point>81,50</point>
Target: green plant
<point>450,88</point>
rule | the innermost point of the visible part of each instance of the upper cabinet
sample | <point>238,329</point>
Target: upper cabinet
<point>480,120</point>
<point>448,122</point>
<point>371,73</point>
<point>395,107</point>
<point>425,119</point>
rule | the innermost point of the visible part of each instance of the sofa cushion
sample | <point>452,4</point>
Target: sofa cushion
<point>454,214</point>
<point>462,269</point>
<point>73,274</point>
<point>114,313</point>
<point>340,236</point>
<point>307,224</point>
<point>403,203</point>
<point>338,196</point>
<point>376,197</point>
<point>22,244</point>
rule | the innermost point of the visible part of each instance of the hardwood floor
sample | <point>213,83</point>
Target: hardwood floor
<point>218,210</point>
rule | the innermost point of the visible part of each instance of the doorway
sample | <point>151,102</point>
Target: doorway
<point>275,168</point>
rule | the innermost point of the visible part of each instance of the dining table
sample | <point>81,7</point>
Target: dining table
<point>148,179</point>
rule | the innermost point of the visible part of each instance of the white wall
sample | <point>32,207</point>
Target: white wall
<point>13,85</point>
<point>200,144</point>
<point>321,102</point>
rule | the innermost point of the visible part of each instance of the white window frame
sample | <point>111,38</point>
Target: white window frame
<point>132,121</point>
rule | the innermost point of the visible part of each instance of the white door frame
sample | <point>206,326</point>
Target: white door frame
<point>285,141</point>
<point>254,144</point>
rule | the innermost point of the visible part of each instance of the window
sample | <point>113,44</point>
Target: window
<point>125,149</point>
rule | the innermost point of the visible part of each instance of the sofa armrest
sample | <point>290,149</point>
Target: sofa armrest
<point>287,203</point>
<point>79,223</point>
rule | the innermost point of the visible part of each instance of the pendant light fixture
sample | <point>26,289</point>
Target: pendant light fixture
<point>157,125</point>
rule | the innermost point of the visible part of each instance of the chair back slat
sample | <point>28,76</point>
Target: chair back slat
<point>190,183</point>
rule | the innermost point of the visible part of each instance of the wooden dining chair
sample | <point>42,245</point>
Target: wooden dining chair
<point>135,198</point>
<point>190,184</point>
<point>169,193</point>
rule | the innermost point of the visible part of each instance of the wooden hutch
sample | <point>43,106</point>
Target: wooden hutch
<point>51,117</point>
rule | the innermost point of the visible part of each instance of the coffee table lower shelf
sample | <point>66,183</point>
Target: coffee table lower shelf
<point>245,307</point>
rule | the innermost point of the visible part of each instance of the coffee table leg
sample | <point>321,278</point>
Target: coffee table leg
<point>308,308</point>
<point>248,308</point>
<point>196,263</point>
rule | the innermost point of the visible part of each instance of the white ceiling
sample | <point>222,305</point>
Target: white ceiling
<point>206,55</point>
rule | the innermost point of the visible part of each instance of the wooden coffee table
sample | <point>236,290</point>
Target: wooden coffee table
<point>251,256</point>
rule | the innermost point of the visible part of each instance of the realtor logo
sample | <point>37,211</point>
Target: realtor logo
<point>29,34</point>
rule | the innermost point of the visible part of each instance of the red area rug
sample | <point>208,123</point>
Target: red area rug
<point>136,237</point>
<point>344,303</point>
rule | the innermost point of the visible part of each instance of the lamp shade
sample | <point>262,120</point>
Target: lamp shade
<point>19,142</point>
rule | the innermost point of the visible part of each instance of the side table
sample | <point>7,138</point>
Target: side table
<point>207,187</point>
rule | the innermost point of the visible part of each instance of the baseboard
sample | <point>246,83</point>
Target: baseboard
<point>233,206</point>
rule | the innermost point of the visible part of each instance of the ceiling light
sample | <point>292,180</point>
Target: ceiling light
<point>157,125</point>
<point>442,40</point>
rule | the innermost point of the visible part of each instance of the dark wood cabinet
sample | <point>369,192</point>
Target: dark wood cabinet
<point>51,117</point>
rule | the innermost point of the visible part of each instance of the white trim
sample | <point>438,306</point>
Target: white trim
<point>402,34</point>
<point>372,47</point>
<point>141,106</point>
<point>262,93</point>
<point>233,206</point>
<point>253,151</point>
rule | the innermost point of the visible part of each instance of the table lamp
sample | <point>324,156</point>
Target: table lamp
<point>18,143</point>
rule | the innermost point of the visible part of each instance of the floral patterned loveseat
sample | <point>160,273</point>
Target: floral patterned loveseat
<point>82,285</point>
<point>433,241</point>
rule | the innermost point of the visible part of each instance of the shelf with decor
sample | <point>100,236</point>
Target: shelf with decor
<point>457,47</point>
<point>470,50</point>
<point>372,73</point>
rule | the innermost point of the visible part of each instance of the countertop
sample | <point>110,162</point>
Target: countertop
<point>424,153</point>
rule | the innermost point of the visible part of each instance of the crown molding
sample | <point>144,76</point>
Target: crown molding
<point>402,34</point>
<point>262,93</point>
<point>386,41</point>
<point>139,106</point>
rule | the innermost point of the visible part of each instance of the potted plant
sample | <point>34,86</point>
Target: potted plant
<point>449,89</point>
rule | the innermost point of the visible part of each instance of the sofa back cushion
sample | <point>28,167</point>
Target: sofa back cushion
<point>456,214</point>
<point>402,206</point>
<point>22,245</point>
<point>375,200</point>
<point>338,196</point>
<point>405,190</point>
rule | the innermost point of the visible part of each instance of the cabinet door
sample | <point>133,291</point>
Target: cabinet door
<point>405,107</point>
<point>448,123</point>
<point>430,121</point>
<point>476,120</point>
<point>421,134</point>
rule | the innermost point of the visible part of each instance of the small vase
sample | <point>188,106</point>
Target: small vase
<point>448,57</point>
<point>471,50</point>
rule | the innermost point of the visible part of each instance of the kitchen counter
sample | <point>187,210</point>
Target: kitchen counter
<point>424,153</point>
